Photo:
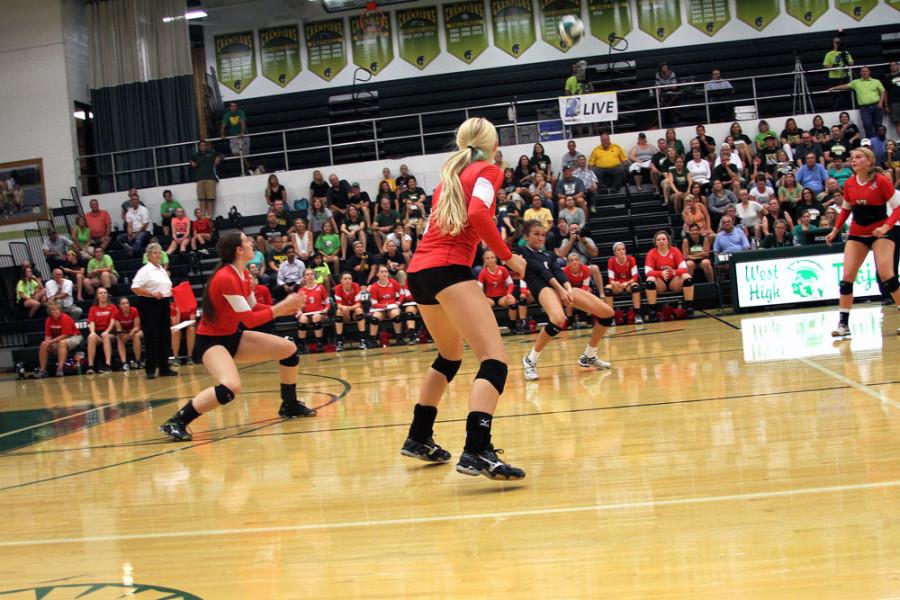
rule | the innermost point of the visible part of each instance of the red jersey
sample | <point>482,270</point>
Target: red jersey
<point>582,280</point>
<point>480,182</point>
<point>656,262</point>
<point>870,203</point>
<point>101,316</point>
<point>64,325</point>
<point>496,284</point>
<point>347,297</point>
<point>203,225</point>
<point>385,296</point>
<point>126,320</point>
<point>180,227</point>
<point>173,310</point>
<point>233,303</point>
<point>316,298</point>
<point>263,295</point>
<point>622,273</point>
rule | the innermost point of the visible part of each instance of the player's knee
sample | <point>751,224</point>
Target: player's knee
<point>227,390</point>
<point>846,288</point>
<point>398,318</point>
<point>359,317</point>
<point>317,325</point>
<point>445,367</point>
<point>688,282</point>
<point>635,288</point>
<point>339,317</point>
<point>608,290</point>
<point>891,284</point>
<point>373,320</point>
<point>494,372</point>
<point>303,326</point>
<point>650,285</point>
<point>291,361</point>
<point>552,329</point>
<point>605,321</point>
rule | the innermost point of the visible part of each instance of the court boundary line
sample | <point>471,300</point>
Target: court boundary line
<point>880,396</point>
<point>618,506</point>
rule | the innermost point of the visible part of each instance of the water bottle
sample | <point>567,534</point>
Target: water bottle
<point>753,244</point>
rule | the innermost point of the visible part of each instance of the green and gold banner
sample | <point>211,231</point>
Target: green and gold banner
<point>513,25</point>
<point>659,18</point>
<point>855,8</point>
<point>280,52</point>
<point>758,14</point>
<point>325,50</point>
<point>465,30</point>
<point>236,60</point>
<point>372,46</point>
<point>806,11</point>
<point>417,35</point>
<point>893,3</point>
<point>551,12</point>
<point>609,20</point>
<point>709,16</point>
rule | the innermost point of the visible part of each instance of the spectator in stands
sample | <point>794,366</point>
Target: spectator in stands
<point>275,255</point>
<point>570,186</point>
<point>100,272</point>
<point>274,190</point>
<point>362,201</point>
<point>666,270</point>
<point>695,248</point>
<point>570,158</point>
<point>353,228</point>
<point>234,125</point>
<point>849,131</point>
<point>181,232</point>
<point>763,134</point>
<point>392,258</point>
<point>403,178</point>
<point>167,211</point>
<point>101,320</point>
<point>302,240</point>
<point>61,336</point>
<point>385,191</point>
<point>808,144</point>
<point>716,90</point>
<point>761,191</point>
<point>804,225</point>
<point>728,170</point>
<point>789,192</point>
<point>127,204</point>
<point>891,84</point>
<point>263,295</point>
<point>282,216</point>
<point>696,190</point>
<point>100,224</point>
<point>272,230</point>
<point>779,237</point>
<point>666,77</point>
<point>359,265</point>
<point>877,144</point>
<point>835,148</point>
<point>837,60</point>
<point>695,213</point>
<point>81,236</point>
<point>892,160</point>
<point>743,144</point>
<point>819,131</point>
<point>128,329</point>
<point>750,214</point>
<point>573,87</point>
<point>30,292</point>
<point>776,211</point>
<point>833,194</point>
<point>672,141</point>
<point>509,183</point>
<point>61,291</point>
<point>641,155</point>
<point>385,220</point>
<point>259,261</point>
<point>401,240</point>
<point>338,197</point>
<point>523,174</point>
<point>678,181</point>
<point>812,175</point>
<point>290,273</point>
<point>871,100</point>
<point>707,143</point>
<point>138,225</point>
<point>55,249</point>
<point>608,161</point>
<point>589,179</point>
<point>154,288</point>
<point>204,163</point>
<point>318,216</point>
<point>318,187</point>
<point>808,203</point>
<point>202,229</point>
<point>699,169</point>
<point>499,162</point>
<point>541,187</point>
<point>730,238</point>
<point>840,171</point>
<point>791,135</point>
<point>718,201</point>
<point>328,243</point>
<point>412,204</point>
<point>571,213</point>
<point>388,178</point>
<point>539,212</point>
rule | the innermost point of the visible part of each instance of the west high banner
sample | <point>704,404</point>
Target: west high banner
<point>279,48</point>
<point>325,47</point>
<point>709,16</point>
<point>588,108</point>
<point>806,11</point>
<point>609,19</point>
<point>758,14</point>
<point>659,18</point>
<point>465,32</point>
<point>855,8</point>
<point>372,49</point>
<point>551,12</point>
<point>513,25</point>
<point>235,60</point>
<point>417,35</point>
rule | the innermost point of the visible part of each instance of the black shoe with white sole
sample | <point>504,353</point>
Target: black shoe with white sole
<point>428,451</point>
<point>488,464</point>
<point>292,410</point>
<point>176,430</point>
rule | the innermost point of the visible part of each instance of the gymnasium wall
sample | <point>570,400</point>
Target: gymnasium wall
<point>721,25</point>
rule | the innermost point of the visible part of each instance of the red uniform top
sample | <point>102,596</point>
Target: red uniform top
<point>496,284</point>
<point>173,310</point>
<point>101,316</point>
<point>263,295</point>
<point>655,262</point>
<point>622,273</point>
<point>64,325</point>
<point>871,205</point>
<point>233,303</point>
<point>385,296</point>
<point>126,320</point>
<point>203,225</point>
<point>180,227</point>
<point>316,298</point>
<point>582,280</point>
<point>347,297</point>
<point>480,182</point>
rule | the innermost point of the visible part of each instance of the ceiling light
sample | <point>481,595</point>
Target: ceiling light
<point>191,14</point>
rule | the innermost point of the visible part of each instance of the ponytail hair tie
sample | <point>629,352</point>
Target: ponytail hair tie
<point>476,153</point>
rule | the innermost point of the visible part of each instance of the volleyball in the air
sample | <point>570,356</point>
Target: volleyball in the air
<point>571,29</point>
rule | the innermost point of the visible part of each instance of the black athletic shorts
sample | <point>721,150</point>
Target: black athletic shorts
<point>426,284</point>
<point>868,240</point>
<point>205,342</point>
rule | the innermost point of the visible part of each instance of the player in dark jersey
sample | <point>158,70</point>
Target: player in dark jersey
<point>875,206</point>
<point>452,305</point>
<point>551,287</point>
<point>228,304</point>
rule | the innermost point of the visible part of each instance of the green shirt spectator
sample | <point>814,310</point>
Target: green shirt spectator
<point>842,175</point>
<point>167,208</point>
<point>837,59</point>
<point>104,263</point>
<point>323,273</point>
<point>163,261</point>
<point>328,243</point>
<point>868,91</point>
<point>26,287</point>
<point>387,218</point>
<point>233,120</point>
<point>573,87</point>
<point>204,163</point>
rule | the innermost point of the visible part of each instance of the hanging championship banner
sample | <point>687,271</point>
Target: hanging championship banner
<point>659,18</point>
<point>370,41</point>
<point>609,20</point>
<point>855,8</point>
<point>806,11</point>
<point>235,60</point>
<point>513,25</point>
<point>464,30</point>
<point>325,50</point>
<point>709,16</point>
<point>588,108</point>
<point>417,35</point>
<point>758,14</point>
<point>279,48</point>
<point>551,12</point>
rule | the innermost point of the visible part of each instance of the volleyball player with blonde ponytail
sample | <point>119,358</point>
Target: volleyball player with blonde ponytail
<point>452,304</point>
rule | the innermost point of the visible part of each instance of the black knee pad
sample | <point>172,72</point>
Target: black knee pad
<point>398,319</point>
<point>513,307</point>
<point>409,316</point>
<point>447,368</point>
<point>317,325</point>
<point>605,321</point>
<point>373,320</point>
<point>688,283</point>
<point>608,291</point>
<point>846,288</point>
<point>303,326</point>
<point>291,361</point>
<point>635,288</point>
<point>551,329</point>
<point>494,372</point>
<point>223,394</point>
<point>338,318</point>
<point>359,317</point>
<point>650,285</point>
<point>891,285</point>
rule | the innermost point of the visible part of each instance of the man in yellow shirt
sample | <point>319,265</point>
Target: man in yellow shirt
<point>871,99</point>
<point>609,161</point>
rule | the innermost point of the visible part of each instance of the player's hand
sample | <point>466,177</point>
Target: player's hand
<point>881,231</point>
<point>291,304</point>
<point>565,297</point>
<point>516,264</point>
<point>830,237</point>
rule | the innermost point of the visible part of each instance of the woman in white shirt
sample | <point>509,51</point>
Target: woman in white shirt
<point>699,169</point>
<point>751,214</point>
<point>154,289</point>
<point>302,239</point>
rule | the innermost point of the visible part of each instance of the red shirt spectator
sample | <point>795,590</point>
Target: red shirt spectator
<point>102,316</point>
<point>125,320</point>
<point>385,296</point>
<point>61,325</point>
<point>203,225</point>
<point>99,222</point>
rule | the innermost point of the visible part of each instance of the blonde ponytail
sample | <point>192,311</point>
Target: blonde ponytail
<point>476,139</point>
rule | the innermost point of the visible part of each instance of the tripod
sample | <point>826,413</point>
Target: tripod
<point>803,103</point>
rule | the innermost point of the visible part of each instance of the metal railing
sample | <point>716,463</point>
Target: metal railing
<point>431,132</point>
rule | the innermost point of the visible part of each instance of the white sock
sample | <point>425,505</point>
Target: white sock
<point>590,351</point>
<point>534,355</point>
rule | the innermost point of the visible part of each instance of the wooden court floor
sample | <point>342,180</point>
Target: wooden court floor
<point>741,457</point>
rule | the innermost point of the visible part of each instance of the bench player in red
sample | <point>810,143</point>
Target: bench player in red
<point>312,315</point>
<point>579,277</point>
<point>385,293</point>
<point>347,309</point>
<point>666,270</point>
<point>622,273</point>
<point>128,329</point>
<point>497,285</point>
